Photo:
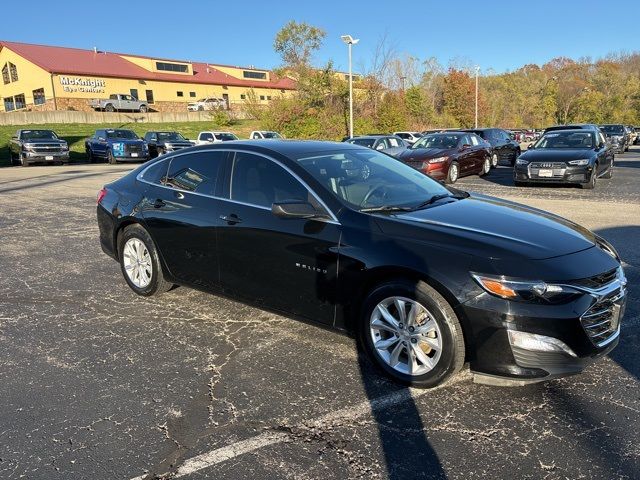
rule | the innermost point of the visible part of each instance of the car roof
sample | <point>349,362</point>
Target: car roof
<point>576,126</point>
<point>286,147</point>
<point>569,130</point>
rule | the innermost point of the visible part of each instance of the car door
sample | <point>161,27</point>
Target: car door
<point>205,137</point>
<point>466,156</point>
<point>283,264</point>
<point>181,212</point>
<point>605,153</point>
<point>99,143</point>
<point>478,152</point>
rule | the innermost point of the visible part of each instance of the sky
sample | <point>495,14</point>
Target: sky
<point>497,35</point>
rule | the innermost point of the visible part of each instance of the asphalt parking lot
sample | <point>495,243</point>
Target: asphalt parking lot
<point>97,383</point>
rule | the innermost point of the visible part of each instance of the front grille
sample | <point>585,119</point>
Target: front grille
<point>602,320</point>
<point>133,148</point>
<point>597,281</point>
<point>557,169</point>
<point>47,148</point>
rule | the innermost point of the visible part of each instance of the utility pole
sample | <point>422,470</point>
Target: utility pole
<point>350,41</point>
<point>477,72</point>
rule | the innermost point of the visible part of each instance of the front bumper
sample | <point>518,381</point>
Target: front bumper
<point>48,157</point>
<point>128,158</point>
<point>493,354</point>
<point>559,173</point>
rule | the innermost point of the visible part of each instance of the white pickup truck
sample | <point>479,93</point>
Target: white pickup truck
<point>117,102</point>
<point>209,103</point>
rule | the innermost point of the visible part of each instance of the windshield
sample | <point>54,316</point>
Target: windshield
<point>38,134</point>
<point>271,135</point>
<point>225,137</point>
<point>571,139</point>
<point>365,178</point>
<point>125,134</point>
<point>615,129</point>
<point>363,142</point>
<point>441,140</point>
<point>170,137</point>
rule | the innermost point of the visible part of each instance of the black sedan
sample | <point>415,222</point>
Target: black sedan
<point>426,276</point>
<point>503,147</point>
<point>164,142</point>
<point>577,156</point>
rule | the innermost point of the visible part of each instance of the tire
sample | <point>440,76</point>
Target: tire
<point>453,173</point>
<point>494,160</point>
<point>90,157</point>
<point>486,167</point>
<point>591,184</point>
<point>200,108</point>
<point>150,277</point>
<point>441,325</point>
<point>143,109</point>
<point>21,161</point>
<point>609,173</point>
<point>109,108</point>
<point>110,158</point>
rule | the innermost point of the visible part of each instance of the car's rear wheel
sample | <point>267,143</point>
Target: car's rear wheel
<point>412,333</point>
<point>452,173</point>
<point>494,160</point>
<point>486,167</point>
<point>140,263</point>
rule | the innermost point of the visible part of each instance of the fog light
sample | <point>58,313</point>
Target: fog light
<point>538,343</point>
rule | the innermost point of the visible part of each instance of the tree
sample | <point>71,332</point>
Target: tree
<point>296,42</point>
<point>459,97</point>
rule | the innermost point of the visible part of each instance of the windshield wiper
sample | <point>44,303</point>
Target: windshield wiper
<point>441,196</point>
<point>386,208</point>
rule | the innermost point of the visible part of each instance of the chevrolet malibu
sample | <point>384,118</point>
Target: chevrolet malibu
<point>426,276</point>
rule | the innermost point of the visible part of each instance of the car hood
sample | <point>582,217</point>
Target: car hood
<point>44,140</point>
<point>556,155</point>
<point>492,228</point>
<point>424,153</point>
<point>125,141</point>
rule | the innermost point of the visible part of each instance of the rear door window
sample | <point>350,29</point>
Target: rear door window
<point>196,172</point>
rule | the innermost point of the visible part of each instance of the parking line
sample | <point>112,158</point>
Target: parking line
<point>222,454</point>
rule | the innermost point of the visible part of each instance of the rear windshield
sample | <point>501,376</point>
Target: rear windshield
<point>226,137</point>
<point>125,134</point>
<point>271,135</point>
<point>364,142</point>
<point>577,139</point>
<point>618,129</point>
<point>38,134</point>
<point>170,136</point>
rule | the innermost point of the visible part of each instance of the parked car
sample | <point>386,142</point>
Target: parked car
<point>214,137</point>
<point>119,102</point>
<point>618,136</point>
<point>37,146</point>
<point>160,143</point>
<point>116,145</point>
<point>426,276</point>
<point>389,144</point>
<point>503,147</point>
<point>209,103</point>
<point>632,135</point>
<point>408,137</point>
<point>637,140</point>
<point>577,156</point>
<point>264,134</point>
<point>449,156</point>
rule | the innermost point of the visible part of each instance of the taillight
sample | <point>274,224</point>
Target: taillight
<point>101,194</point>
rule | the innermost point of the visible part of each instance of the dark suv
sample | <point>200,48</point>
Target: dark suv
<point>503,147</point>
<point>618,136</point>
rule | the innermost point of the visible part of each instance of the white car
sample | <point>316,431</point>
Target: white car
<point>209,103</point>
<point>214,137</point>
<point>264,134</point>
<point>409,137</point>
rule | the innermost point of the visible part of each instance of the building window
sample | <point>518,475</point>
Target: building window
<point>19,101</point>
<point>38,97</point>
<point>268,97</point>
<point>172,67</point>
<point>180,94</point>
<point>5,74</point>
<point>192,94</point>
<point>14,72</point>
<point>149,94</point>
<point>259,75</point>
<point>134,93</point>
<point>8,104</point>
<point>261,97</point>
<point>242,96</point>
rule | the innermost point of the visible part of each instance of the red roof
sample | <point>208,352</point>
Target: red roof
<point>76,61</point>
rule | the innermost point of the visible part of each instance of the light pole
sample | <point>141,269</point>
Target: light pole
<point>477,72</point>
<point>349,40</point>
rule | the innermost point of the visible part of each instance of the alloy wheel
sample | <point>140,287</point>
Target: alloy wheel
<point>486,166</point>
<point>405,335</point>
<point>137,262</point>
<point>494,160</point>
<point>453,172</point>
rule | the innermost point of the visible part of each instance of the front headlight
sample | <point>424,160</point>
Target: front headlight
<point>525,290</point>
<point>437,160</point>
<point>64,146</point>
<point>28,147</point>
<point>581,162</point>
<point>521,161</point>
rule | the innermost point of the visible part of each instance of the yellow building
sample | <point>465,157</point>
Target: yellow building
<point>39,77</point>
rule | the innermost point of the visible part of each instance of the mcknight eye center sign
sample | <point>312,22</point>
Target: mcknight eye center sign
<point>79,84</point>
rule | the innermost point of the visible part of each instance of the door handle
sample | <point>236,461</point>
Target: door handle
<point>231,219</point>
<point>159,203</point>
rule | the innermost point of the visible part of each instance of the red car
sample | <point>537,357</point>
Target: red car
<point>449,155</point>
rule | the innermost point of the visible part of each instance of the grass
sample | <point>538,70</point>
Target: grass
<point>76,133</point>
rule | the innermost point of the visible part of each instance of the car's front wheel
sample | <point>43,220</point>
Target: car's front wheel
<point>111,158</point>
<point>140,263</point>
<point>486,167</point>
<point>591,184</point>
<point>452,173</point>
<point>412,333</point>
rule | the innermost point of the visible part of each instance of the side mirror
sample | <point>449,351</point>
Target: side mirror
<point>531,146</point>
<point>294,209</point>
